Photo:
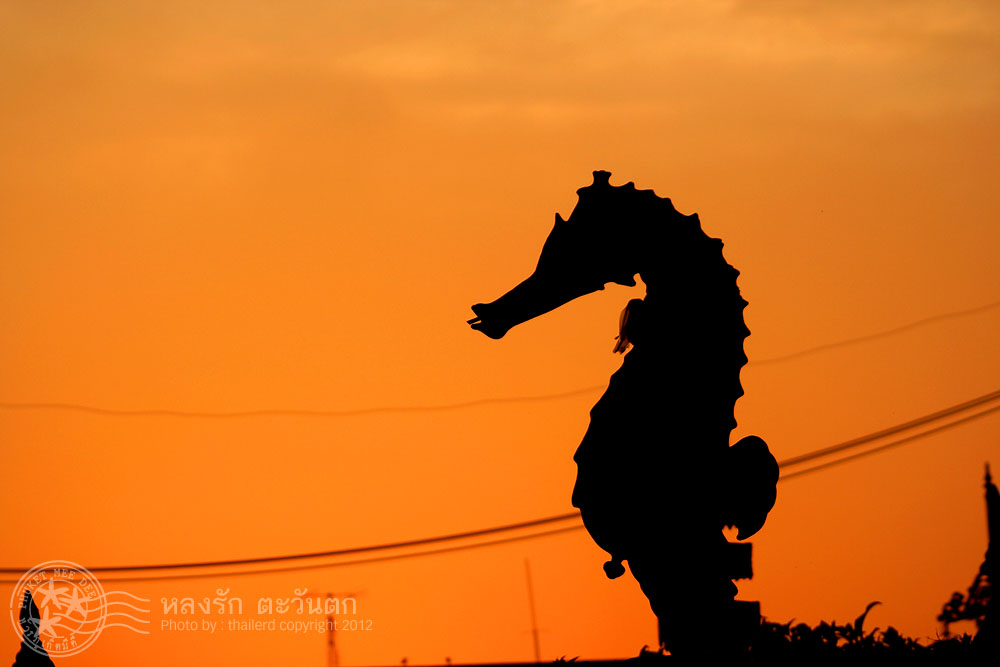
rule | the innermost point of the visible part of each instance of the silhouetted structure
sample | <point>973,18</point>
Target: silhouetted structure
<point>978,604</point>
<point>657,479</point>
<point>32,654</point>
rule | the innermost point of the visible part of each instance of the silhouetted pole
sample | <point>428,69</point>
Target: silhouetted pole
<point>531,605</point>
<point>332,656</point>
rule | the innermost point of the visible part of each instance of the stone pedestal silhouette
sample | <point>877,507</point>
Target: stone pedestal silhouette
<point>742,618</point>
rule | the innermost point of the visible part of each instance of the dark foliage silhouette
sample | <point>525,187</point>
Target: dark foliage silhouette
<point>850,644</point>
<point>656,477</point>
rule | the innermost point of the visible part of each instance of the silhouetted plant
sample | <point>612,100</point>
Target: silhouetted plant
<point>850,644</point>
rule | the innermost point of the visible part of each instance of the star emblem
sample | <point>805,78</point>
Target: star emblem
<point>50,592</point>
<point>74,603</point>
<point>46,623</point>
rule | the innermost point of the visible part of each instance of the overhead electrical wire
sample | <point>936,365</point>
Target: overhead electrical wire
<point>892,430</point>
<point>336,552</point>
<point>279,412</point>
<point>894,443</point>
<point>327,566</point>
<point>443,407</point>
<point>819,453</point>
<point>879,334</point>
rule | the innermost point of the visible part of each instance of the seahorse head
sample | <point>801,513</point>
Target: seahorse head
<point>606,239</point>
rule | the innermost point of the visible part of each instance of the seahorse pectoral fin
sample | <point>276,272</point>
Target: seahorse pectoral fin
<point>753,477</point>
<point>749,527</point>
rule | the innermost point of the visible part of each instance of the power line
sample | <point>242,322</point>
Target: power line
<point>269,412</point>
<point>326,566</point>
<point>326,554</point>
<point>567,529</point>
<point>444,407</point>
<point>478,545</point>
<point>892,430</point>
<point>529,524</point>
<point>894,443</point>
<point>874,336</point>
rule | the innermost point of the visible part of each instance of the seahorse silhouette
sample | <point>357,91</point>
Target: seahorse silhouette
<point>657,479</point>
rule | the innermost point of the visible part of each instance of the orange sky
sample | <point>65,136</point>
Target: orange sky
<point>233,205</point>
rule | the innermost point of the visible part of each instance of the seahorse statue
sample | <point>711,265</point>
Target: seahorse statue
<point>656,477</point>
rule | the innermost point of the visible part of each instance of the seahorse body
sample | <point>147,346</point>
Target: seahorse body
<point>657,479</point>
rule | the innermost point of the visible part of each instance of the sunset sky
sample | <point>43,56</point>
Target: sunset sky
<point>230,206</point>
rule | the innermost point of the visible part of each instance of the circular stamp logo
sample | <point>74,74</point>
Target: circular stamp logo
<point>58,608</point>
